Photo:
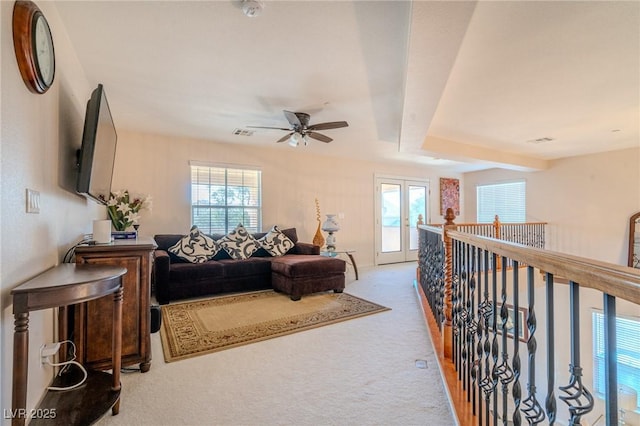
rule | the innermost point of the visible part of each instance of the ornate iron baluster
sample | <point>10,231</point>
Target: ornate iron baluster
<point>550,402</point>
<point>464,315</point>
<point>458,280</point>
<point>515,388</point>
<point>455,278</point>
<point>532,410</point>
<point>494,342</point>
<point>487,384</point>
<point>472,327</point>
<point>503,370</point>
<point>476,373</point>
<point>578,397</point>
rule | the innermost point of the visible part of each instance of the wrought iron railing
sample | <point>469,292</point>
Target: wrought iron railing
<point>487,320</point>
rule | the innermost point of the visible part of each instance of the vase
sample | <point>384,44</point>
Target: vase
<point>318,239</point>
<point>118,226</point>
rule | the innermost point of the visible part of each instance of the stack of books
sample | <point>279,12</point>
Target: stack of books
<point>124,235</point>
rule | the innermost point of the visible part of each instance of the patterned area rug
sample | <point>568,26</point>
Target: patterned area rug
<point>210,325</point>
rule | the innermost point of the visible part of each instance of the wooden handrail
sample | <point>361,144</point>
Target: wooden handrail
<point>615,280</point>
<point>432,228</point>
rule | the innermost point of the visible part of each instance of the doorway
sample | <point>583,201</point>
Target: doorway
<point>398,204</point>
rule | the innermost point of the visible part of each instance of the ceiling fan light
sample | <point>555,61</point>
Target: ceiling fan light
<point>305,139</point>
<point>294,140</point>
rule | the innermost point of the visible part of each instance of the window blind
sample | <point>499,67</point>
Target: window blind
<point>507,200</point>
<point>628,348</point>
<point>222,197</point>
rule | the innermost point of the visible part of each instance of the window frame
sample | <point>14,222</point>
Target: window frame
<point>247,203</point>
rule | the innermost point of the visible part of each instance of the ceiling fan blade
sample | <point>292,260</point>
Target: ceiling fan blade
<point>293,119</point>
<point>319,136</point>
<point>329,125</point>
<point>274,128</point>
<point>284,138</point>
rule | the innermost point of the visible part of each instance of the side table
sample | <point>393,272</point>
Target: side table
<point>60,286</point>
<point>349,253</point>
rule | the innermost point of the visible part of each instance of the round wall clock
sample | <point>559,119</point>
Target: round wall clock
<point>33,44</point>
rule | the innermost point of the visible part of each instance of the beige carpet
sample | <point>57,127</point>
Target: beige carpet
<point>210,325</point>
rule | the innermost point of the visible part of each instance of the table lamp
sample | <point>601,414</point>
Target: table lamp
<point>330,225</point>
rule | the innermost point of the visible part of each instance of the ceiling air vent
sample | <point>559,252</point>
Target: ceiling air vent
<point>540,140</point>
<point>243,132</point>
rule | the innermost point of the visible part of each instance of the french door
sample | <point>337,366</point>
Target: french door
<point>398,204</point>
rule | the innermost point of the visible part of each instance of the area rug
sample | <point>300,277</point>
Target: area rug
<point>210,325</point>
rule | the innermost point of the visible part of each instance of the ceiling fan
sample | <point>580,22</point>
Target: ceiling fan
<point>300,129</point>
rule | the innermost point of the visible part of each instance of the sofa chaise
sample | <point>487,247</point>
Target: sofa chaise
<point>299,271</point>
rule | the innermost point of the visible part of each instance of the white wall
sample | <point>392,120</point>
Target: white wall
<point>291,180</point>
<point>34,130</point>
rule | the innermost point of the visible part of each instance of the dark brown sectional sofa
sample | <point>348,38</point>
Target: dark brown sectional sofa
<point>175,278</point>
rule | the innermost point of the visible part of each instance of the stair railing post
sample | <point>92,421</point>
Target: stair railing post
<point>447,332</point>
<point>496,235</point>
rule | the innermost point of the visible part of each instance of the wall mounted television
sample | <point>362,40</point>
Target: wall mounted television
<point>97,155</point>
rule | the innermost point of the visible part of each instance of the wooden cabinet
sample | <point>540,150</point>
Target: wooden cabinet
<point>90,322</point>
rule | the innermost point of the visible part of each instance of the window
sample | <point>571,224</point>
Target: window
<point>507,200</point>
<point>627,331</point>
<point>222,197</point>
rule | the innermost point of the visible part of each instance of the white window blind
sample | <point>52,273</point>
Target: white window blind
<point>507,200</point>
<point>628,348</point>
<point>222,197</point>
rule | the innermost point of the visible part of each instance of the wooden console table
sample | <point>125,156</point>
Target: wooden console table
<point>60,286</point>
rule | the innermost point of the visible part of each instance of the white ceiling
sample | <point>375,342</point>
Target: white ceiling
<point>462,85</point>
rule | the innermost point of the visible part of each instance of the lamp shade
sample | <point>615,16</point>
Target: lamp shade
<point>294,140</point>
<point>330,224</point>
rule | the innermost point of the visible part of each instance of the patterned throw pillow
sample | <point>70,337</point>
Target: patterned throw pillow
<point>239,243</point>
<point>195,247</point>
<point>275,242</point>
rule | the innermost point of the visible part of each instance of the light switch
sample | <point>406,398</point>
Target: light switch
<point>33,201</point>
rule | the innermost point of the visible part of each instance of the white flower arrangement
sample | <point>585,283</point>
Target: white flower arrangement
<point>124,209</point>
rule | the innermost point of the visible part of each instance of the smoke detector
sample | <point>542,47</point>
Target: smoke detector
<point>252,8</point>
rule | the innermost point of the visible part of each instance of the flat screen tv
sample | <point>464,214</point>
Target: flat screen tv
<point>97,154</point>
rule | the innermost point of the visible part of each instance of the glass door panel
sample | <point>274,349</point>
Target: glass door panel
<point>417,206</point>
<point>391,229</point>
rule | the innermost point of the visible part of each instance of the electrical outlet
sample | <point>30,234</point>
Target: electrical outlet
<point>47,350</point>
<point>33,201</point>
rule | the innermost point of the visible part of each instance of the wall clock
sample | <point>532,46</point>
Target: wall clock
<point>33,44</point>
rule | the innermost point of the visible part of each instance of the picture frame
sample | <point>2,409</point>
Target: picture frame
<point>449,195</point>
<point>523,330</point>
